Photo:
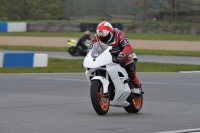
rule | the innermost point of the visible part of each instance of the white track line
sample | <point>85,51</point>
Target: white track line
<point>182,131</point>
<point>189,71</point>
<point>63,79</point>
<point>160,83</point>
<point>156,83</point>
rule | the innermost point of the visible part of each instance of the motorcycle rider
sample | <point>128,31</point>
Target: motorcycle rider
<point>121,48</point>
<point>82,39</point>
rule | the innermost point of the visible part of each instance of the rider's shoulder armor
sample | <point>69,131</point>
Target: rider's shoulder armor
<point>118,41</point>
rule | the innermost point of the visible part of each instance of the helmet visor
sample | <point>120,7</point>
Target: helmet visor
<point>106,38</point>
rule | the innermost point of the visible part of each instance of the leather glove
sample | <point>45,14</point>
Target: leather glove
<point>121,57</point>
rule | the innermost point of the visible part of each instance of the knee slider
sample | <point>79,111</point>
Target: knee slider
<point>130,68</point>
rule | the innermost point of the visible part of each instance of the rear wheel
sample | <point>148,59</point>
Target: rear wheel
<point>135,103</point>
<point>99,101</point>
<point>74,51</point>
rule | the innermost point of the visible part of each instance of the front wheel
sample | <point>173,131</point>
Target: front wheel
<point>74,51</point>
<point>99,102</point>
<point>135,103</point>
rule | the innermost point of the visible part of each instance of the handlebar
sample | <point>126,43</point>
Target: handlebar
<point>115,61</point>
<point>114,58</point>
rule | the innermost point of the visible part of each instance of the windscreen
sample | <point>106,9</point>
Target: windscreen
<point>97,49</point>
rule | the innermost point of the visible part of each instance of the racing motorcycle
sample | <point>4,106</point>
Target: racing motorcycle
<point>75,50</point>
<point>109,82</point>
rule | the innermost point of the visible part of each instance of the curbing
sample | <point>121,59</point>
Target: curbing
<point>23,60</point>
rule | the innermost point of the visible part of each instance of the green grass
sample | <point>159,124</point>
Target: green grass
<point>167,52</point>
<point>33,48</point>
<point>71,65</point>
<point>159,67</point>
<point>54,66</point>
<point>168,37</point>
<point>137,51</point>
<point>141,36</point>
<point>43,34</point>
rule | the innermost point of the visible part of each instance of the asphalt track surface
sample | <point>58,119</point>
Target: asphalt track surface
<point>142,58</point>
<point>60,103</point>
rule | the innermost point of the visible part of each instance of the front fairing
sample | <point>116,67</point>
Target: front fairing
<point>97,58</point>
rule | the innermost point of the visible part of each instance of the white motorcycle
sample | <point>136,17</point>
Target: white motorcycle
<point>109,82</point>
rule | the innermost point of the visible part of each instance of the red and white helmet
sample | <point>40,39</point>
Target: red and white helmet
<point>105,31</point>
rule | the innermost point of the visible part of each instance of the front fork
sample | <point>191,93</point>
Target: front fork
<point>104,82</point>
<point>92,74</point>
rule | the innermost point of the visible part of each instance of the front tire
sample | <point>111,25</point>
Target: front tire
<point>136,103</point>
<point>73,51</point>
<point>99,102</point>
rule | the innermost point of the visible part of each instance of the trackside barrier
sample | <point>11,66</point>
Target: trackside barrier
<point>13,26</point>
<point>3,27</point>
<point>23,60</point>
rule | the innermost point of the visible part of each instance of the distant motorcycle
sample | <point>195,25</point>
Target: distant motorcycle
<point>75,50</point>
<point>109,82</point>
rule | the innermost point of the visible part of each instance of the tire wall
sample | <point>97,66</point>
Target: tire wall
<point>81,27</point>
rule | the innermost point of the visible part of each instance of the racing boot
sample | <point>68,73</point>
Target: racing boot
<point>136,85</point>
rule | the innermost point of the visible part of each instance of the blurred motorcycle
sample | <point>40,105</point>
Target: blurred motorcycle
<point>75,50</point>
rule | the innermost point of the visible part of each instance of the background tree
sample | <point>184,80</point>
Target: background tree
<point>175,6</point>
<point>79,9</point>
<point>30,9</point>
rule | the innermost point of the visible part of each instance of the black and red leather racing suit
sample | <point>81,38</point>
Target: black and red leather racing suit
<point>120,43</point>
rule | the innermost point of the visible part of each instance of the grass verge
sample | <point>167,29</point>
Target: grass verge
<point>71,65</point>
<point>33,48</point>
<point>167,52</point>
<point>137,51</point>
<point>141,36</point>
